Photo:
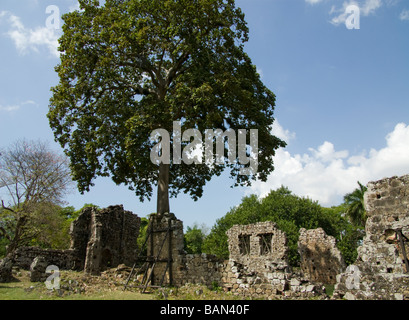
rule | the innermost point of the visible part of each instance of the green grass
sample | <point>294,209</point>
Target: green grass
<point>23,289</point>
<point>78,286</point>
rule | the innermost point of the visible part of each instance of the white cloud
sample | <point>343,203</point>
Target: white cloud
<point>9,108</point>
<point>313,1</point>
<point>27,39</point>
<point>370,6</point>
<point>282,133</point>
<point>341,13</point>
<point>404,15</point>
<point>15,107</point>
<point>367,7</point>
<point>326,175</point>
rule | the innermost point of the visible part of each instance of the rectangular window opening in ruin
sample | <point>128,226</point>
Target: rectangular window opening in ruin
<point>244,244</point>
<point>265,243</point>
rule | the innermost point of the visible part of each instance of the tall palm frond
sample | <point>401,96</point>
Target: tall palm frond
<point>355,205</point>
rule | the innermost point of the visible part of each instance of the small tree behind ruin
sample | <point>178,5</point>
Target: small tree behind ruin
<point>31,176</point>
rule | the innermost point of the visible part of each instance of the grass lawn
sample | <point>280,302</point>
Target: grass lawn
<point>74,286</point>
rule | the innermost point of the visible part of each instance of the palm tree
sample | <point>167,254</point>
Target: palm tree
<point>355,205</point>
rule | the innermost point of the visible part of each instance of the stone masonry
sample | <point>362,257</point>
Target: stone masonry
<point>320,259</point>
<point>184,268</point>
<point>258,265</point>
<point>105,238</point>
<point>379,271</point>
<point>260,246</point>
<point>100,239</point>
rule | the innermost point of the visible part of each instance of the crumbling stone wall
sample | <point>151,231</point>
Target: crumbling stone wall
<point>258,265</point>
<point>112,237</point>
<point>184,268</point>
<point>261,247</point>
<point>100,239</point>
<point>64,259</point>
<point>379,271</point>
<point>320,259</point>
<point>204,269</point>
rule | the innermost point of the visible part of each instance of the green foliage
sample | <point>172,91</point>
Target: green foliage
<point>290,213</point>
<point>355,205</point>
<point>348,235</point>
<point>34,180</point>
<point>130,67</point>
<point>3,243</point>
<point>7,223</point>
<point>194,238</point>
<point>142,236</point>
<point>245,213</point>
<point>51,225</point>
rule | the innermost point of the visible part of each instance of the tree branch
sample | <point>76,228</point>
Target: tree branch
<point>173,71</point>
<point>4,234</point>
<point>7,208</point>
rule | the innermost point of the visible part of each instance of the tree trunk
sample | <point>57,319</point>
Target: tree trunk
<point>15,242</point>
<point>163,189</point>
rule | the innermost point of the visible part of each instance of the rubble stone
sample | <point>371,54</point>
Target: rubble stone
<point>37,269</point>
<point>6,265</point>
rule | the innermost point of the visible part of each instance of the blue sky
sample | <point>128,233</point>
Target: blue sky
<point>342,97</point>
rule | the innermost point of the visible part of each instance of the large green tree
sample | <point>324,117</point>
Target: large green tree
<point>130,67</point>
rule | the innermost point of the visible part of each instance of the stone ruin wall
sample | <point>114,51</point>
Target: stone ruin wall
<point>64,259</point>
<point>113,234</point>
<point>257,267</point>
<point>258,263</point>
<point>379,271</point>
<point>185,268</point>
<point>320,259</point>
<point>261,247</point>
<point>100,239</point>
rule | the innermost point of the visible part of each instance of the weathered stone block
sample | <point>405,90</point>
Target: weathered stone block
<point>37,269</point>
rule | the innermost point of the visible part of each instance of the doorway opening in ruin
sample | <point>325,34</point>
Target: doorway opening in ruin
<point>106,259</point>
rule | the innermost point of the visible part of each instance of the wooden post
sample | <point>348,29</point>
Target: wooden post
<point>402,245</point>
<point>170,252</point>
<point>152,244</point>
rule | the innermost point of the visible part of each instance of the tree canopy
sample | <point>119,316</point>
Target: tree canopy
<point>35,180</point>
<point>130,67</point>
